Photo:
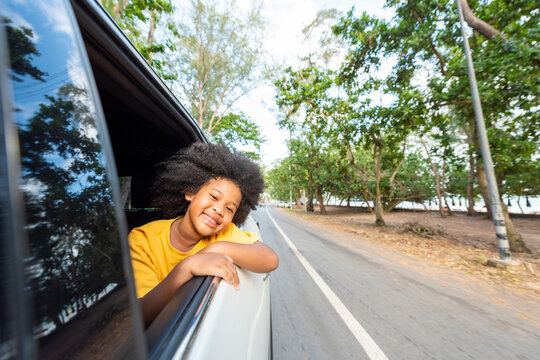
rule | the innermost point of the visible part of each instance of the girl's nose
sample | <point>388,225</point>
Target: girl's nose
<point>218,209</point>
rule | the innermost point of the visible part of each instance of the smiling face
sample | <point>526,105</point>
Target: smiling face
<point>213,207</point>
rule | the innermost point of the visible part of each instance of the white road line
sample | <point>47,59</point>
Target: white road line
<point>371,348</point>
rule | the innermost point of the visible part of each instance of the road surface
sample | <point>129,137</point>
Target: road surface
<point>337,296</point>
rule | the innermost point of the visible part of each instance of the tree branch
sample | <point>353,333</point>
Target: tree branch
<point>359,170</point>
<point>452,102</point>
<point>479,25</point>
<point>442,62</point>
<point>399,164</point>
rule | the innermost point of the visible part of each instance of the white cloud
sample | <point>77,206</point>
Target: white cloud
<point>55,11</point>
<point>18,21</point>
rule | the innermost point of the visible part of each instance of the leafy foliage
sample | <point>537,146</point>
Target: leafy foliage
<point>210,54</point>
<point>375,117</point>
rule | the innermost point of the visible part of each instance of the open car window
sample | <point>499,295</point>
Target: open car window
<point>83,110</point>
<point>146,124</point>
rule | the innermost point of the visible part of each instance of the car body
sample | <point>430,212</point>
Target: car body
<point>84,120</point>
<point>282,204</point>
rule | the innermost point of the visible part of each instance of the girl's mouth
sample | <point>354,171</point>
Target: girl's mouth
<point>209,220</point>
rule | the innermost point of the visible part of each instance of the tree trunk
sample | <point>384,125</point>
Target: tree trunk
<point>119,8</point>
<point>482,183</point>
<point>298,202</point>
<point>393,205</point>
<point>443,188</point>
<point>520,206</point>
<point>153,16</point>
<point>349,202</point>
<point>366,200</point>
<point>378,204</point>
<point>438,185</point>
<point>437,180</point>
<point>321,201</point>
<point>470,179</point>
<point>309,203</point>
<point>514,238</point>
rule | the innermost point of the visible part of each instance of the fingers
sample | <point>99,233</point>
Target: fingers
<point>231,275</point>
<point>217,265</point>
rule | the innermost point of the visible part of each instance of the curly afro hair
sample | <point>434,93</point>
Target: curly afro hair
<point>189,169</point>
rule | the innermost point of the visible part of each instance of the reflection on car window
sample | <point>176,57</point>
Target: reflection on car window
<point>74,268</point>
<point>7,296</point>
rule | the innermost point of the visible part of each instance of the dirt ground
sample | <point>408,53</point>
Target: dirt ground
<point>459,242</point>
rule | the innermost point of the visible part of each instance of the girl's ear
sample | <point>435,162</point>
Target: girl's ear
<point>189,196</point>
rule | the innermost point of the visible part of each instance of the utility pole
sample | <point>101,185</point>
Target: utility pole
<point>496,208</point>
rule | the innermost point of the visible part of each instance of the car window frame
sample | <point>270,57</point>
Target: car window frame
<point>171,333</point>
<point>14,239</point>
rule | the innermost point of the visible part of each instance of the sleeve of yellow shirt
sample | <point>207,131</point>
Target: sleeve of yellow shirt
<point>146,276</point>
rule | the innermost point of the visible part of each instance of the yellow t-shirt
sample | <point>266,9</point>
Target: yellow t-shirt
<point>153,256</point>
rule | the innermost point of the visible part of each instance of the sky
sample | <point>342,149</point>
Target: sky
<point>286,19</point>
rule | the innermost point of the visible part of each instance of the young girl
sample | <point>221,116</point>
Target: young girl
<point>203,191</point>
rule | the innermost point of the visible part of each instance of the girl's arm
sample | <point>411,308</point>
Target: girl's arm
<point>256,257</point>
<point>198,264</point>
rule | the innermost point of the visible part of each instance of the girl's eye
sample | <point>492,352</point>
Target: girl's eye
<point>229,210</point>
<point>213,197</point>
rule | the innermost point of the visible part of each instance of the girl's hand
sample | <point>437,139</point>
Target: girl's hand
<point>211,263</point>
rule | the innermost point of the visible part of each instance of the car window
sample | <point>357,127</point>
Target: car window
<point>74,267</point>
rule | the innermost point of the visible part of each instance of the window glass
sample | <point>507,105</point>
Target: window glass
<point>74,270</point>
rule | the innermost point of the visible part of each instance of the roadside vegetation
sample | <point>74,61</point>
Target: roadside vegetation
<point>394,121</point>
<point>378,110</point>
<point>209,53</point>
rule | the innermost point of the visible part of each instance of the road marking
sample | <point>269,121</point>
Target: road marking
<point>371,348</point>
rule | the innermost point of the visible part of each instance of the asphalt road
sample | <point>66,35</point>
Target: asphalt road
<point>406,308</point>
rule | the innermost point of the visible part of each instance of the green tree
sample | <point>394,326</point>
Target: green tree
<point>303,95</point>
<point>506,61</point>
<point>238,130</point>
<point>424,39</point>
<point>278,180</point>
<point>212,57</point>
<point>219,58</point>
<point>148,25</point>
<point>323,46</point>
<point>381,128</point>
